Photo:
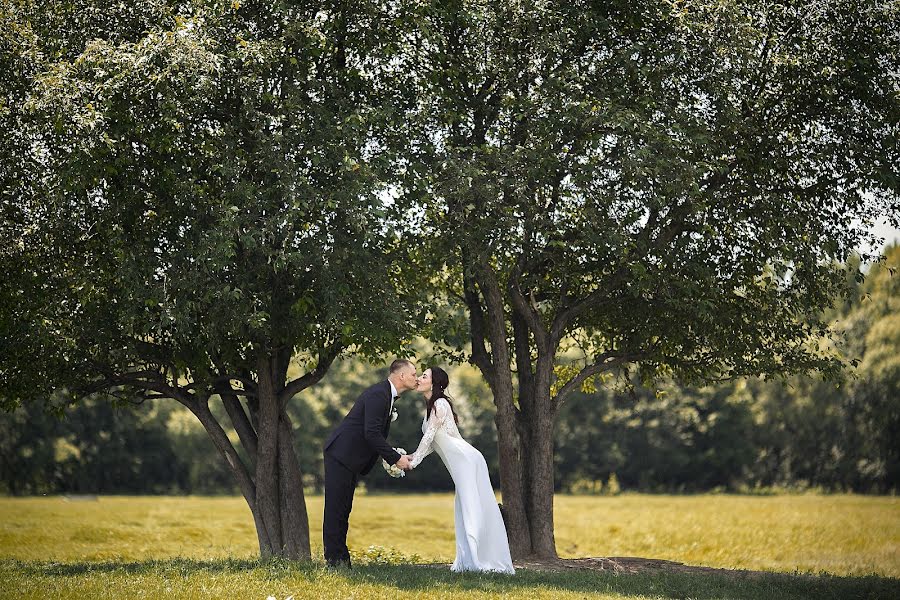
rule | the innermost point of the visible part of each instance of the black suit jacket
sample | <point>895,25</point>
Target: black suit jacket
<point>360,438</point>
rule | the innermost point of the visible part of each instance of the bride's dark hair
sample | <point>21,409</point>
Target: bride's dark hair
<point>439,382</point>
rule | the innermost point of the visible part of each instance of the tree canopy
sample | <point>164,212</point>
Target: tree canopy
<point>195,196</point>
<point>666,186</point>
<point>198,205</point>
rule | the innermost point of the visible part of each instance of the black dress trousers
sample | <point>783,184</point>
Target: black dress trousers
<point>340,484</point>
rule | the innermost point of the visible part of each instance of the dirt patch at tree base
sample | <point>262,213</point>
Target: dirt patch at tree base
<point>622,565</point>
<point>628,564</point>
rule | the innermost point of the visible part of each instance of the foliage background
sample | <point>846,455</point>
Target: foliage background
<point>744,436</point>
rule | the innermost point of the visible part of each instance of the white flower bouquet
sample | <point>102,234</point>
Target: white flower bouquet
<point>393,470</point>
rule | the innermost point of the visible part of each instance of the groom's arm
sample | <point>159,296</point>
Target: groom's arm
<point>373,424</point>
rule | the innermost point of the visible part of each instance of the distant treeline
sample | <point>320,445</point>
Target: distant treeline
<point>737,436</point>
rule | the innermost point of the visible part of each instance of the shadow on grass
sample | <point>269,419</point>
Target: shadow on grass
<point>412,578</point>
<point>183,566</point>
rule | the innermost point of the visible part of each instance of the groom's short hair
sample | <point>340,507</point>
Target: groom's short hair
<point>399,364</point>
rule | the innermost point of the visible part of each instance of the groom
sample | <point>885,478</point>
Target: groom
<point>352,449</point>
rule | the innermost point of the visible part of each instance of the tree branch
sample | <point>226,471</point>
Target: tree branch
<point>146,380</point>
<point>241,422</point>
<point>496,323</point>
<point>675,223</point>
<point>524,369</point>
<point>226,449</point>
<point>605,362</point>
<point>223,384</point>
<point>565,317</point>
<point>480,354</point>
<point>326,357</point>
<point>529,313</point>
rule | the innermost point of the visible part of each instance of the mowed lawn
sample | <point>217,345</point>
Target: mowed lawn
<point>206,547</point>
<point>841,534</point>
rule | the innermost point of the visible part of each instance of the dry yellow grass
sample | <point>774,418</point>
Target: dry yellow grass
<point>842,534</point>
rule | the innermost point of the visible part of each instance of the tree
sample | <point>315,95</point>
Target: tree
<point>196,207</point>
<point>659,187</point>
<point>98,448</point>
<point>873,406</point>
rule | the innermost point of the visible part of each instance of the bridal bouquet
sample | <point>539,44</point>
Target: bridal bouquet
<point>393,470</point>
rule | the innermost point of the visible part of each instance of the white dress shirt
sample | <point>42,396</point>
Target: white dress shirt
<point>393,394</point>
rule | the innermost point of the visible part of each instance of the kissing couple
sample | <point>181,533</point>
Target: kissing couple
<point>361,437</point>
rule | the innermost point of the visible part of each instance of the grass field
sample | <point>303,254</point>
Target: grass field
<point>159,547</point>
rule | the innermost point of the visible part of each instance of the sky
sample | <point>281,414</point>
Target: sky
<point>884,230</point>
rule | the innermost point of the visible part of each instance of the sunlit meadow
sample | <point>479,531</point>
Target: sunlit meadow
<point>840,534</point>
<point>161,547</point>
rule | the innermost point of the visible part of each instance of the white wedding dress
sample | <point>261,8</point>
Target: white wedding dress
<point>481,542</point>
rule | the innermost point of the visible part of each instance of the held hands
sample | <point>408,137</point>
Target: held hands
<point>403,463</point>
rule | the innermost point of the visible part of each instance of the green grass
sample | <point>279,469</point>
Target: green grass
<point>162,547</point>
<point>181,578</point>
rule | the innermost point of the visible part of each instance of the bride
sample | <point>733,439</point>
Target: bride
<point>481,542</point>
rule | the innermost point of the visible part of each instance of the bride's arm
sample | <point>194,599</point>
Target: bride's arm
<point>438,414</point>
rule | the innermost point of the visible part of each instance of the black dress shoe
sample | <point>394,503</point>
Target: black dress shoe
<point>338,564</point>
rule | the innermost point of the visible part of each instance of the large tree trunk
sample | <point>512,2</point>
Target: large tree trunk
<point>538,464</point>
<point>238,469</point>
<point>533,465</point>
<point>499,377</point>
<point>524,434</point>
<point>269,477</point>
<point>279,483</point>
<point>268,497</point>
<point>540,423</point>
<point>511,474</point>
<point>294,519</point>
